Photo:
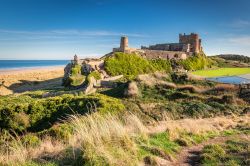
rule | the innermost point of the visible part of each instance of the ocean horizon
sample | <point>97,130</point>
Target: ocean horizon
<point>22,64</point>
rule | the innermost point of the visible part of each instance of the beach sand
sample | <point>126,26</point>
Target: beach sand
<point>29,79</point>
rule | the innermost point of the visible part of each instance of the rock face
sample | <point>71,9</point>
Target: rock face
<point>87,69</point>
<point>67,73</point>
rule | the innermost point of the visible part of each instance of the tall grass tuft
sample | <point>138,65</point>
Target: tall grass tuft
<point>107,139</point>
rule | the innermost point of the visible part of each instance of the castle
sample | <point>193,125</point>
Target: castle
<point>187,46</point>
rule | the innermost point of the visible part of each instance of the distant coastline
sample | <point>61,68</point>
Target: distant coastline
<point>15,65</point>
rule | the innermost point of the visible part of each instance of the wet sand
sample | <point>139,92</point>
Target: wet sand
<point>28,79</point>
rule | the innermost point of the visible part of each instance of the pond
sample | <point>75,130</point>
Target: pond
<point>230,80</point>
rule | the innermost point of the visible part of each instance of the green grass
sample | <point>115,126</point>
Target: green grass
<point>233,153</point>
<point>222,72</point>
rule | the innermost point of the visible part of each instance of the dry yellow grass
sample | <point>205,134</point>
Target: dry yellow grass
<point>157,78</point>
<point>109,139</point>
<point>19,153</point>
<point>174,127</point>
<point>103,139</point>
<point>132,90</point>
<point>190,88</point>
<point>192,77</point>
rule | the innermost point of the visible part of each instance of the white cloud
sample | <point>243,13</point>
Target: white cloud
<point>70,32</point>
<point>242,40</point>
<point>239,24</point>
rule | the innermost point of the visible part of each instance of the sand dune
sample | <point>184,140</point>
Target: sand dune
<point>21,80</point>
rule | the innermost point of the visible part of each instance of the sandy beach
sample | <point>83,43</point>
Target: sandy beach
<point>27,79</point>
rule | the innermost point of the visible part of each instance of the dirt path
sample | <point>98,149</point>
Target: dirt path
<point>191,155</point>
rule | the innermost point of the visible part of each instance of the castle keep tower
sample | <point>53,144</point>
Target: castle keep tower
<point>124,43</point>
<point>192,39</point>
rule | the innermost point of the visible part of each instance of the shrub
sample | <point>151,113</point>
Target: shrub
<point>39,114</point>
<point>60,131</point>
<point>179,77</point>
<point>76,80</point>
<point>129,65</point>
<point>161,65</point>
<point>196,62</point>
<point>76,69</point>
<point>94,74</point>
<point>230,99</point>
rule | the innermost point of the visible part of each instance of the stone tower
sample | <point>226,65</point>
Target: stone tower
<point>124,43</point>
<point>76,60</point>
<point>192,39</point>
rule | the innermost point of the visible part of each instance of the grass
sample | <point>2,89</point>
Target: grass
<point>222,72</point>
<point>234,152</point>
<point>112,140</point>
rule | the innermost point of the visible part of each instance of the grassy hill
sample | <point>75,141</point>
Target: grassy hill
<point>152,117</point>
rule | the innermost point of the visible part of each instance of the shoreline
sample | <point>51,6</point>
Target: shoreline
<point>20,80</point>
<point>4,71</point>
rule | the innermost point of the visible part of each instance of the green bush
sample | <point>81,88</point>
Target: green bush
<point>161,65</point>
<point>75,70</point>
<point>94,74</point>
<point>60,131</point>
<point>179,77</point>
<point>76,80</point>
<point>20,114</point>
<point>129,65</point>
<point>196,62</point>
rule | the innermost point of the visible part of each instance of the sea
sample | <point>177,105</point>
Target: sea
<point>19,64</point>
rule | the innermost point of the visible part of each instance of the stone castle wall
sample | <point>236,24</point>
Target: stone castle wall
<point>154,54</point>
<point>169,47</point>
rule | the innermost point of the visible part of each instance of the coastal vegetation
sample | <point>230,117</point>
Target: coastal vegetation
<point>131,65</point>
<point>25,113</point>
<point>233,152</point>
<point>76,78</point>
<point>196,62</point>
<point>151,117</point>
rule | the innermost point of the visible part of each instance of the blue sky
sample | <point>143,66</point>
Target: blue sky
<point>58,29</point>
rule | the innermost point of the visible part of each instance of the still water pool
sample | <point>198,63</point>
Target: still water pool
<point>230,80</point>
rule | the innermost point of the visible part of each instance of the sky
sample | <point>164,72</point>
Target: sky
<point>58,29</point>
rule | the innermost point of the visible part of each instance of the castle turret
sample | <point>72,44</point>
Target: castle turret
<point>193,40</point>
<point>124,43</point>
